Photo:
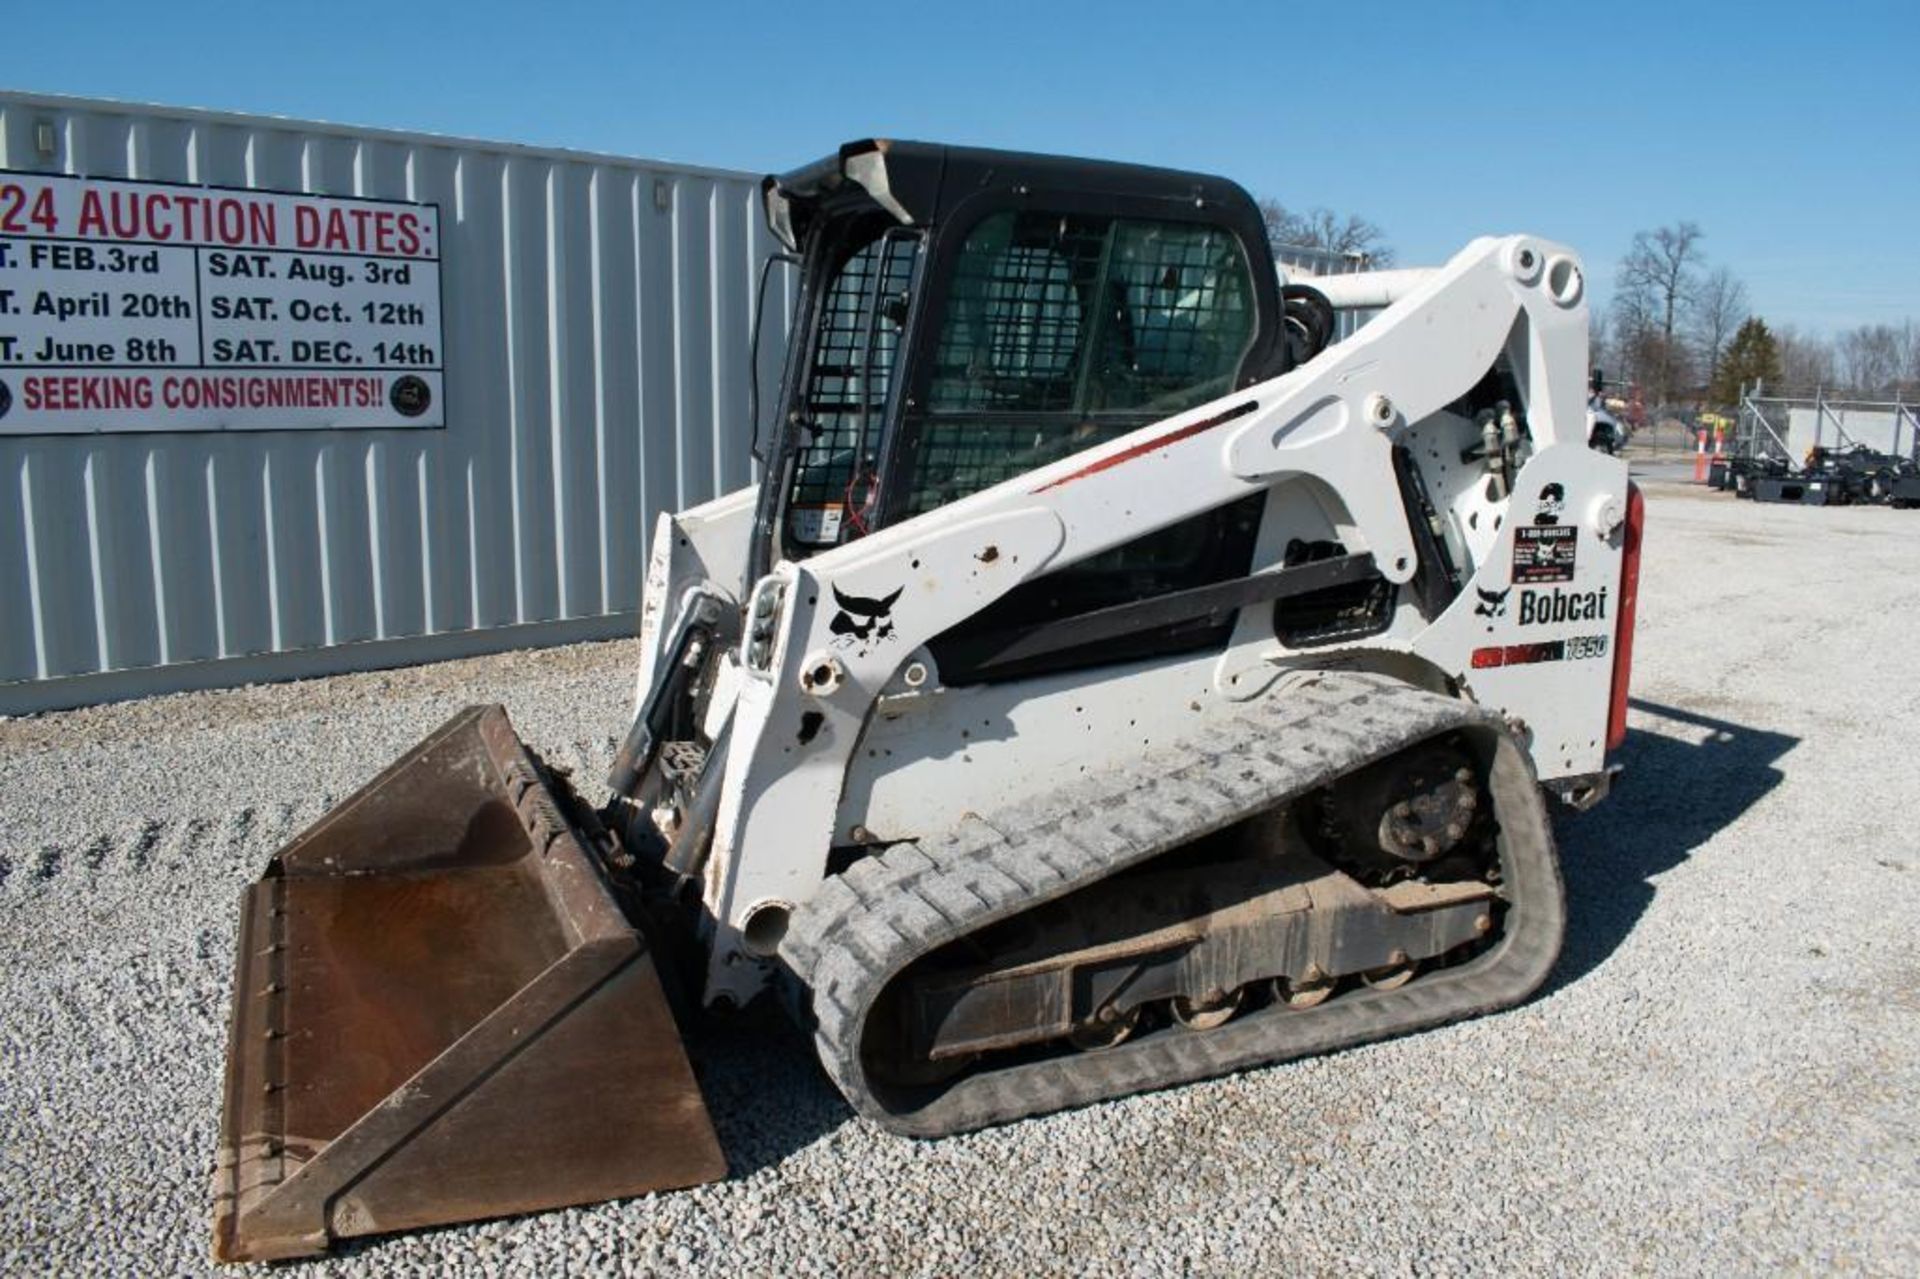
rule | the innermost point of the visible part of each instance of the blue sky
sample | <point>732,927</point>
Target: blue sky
<point>1790,132</point>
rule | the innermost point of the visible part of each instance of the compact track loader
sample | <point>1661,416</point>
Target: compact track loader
<point>1112,683</point>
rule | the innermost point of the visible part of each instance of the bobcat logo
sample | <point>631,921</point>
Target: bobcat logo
<point>1492,603</point>
<point>410,396</point>
<point>861,621</point>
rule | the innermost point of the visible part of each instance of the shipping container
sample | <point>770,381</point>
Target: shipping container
<point>590,355</point>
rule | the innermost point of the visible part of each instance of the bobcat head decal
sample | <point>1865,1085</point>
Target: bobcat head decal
<point>861,621</point>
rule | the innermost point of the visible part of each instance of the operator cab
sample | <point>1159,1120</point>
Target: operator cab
<point>970,315</point>
<point>967,316</point>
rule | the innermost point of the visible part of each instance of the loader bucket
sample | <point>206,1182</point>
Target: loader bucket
<point>441,1014</point>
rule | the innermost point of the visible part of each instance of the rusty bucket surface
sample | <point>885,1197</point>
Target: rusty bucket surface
<point>441,1014</point>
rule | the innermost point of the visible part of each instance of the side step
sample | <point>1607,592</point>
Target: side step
<point>441,1014</point>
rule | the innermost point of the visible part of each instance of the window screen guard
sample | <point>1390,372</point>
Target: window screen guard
<point>850,373</point>
<point>1065,331</point>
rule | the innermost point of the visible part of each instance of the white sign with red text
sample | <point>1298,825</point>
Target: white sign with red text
<point>145,306</point>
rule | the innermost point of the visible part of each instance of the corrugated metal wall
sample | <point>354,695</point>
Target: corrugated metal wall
<point>597,315</point>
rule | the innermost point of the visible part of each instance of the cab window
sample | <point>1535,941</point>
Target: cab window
<point>1064,331</point>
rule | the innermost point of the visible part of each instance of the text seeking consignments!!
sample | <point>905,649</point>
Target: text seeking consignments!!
<point>145,306</point>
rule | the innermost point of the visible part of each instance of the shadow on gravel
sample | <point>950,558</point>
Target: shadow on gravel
<point>1681,786</point>
<point>764,1088</point>
<point>763,1085</point>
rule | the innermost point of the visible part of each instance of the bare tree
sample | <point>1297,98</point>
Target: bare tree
<point>1656,284</point>
<point>1346,235</point>
<point>1600,352</point>
<point>1719,307</point>
<point>1870,357</point>
<point>1806,360</point>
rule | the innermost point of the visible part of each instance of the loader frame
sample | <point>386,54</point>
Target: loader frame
<point>806,697</point>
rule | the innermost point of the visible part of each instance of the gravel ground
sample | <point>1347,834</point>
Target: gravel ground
<point>1719,1079</point>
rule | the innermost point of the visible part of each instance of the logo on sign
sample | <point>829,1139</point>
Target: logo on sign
<point>410,396</point>
<point>6,398</point>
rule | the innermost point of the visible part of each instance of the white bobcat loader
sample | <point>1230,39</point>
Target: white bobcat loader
<point>1111,684</point>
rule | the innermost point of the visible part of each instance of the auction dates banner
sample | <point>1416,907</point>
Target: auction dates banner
<point>145,306</point>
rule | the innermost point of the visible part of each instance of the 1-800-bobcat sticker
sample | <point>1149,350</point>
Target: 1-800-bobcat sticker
<point>1545,550</point>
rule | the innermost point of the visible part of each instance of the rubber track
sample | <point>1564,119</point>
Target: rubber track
<point>865,926</point>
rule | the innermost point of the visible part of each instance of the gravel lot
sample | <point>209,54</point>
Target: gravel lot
<point>1720,1078</point>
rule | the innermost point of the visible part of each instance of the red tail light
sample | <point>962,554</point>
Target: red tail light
<point>1623,629</point>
